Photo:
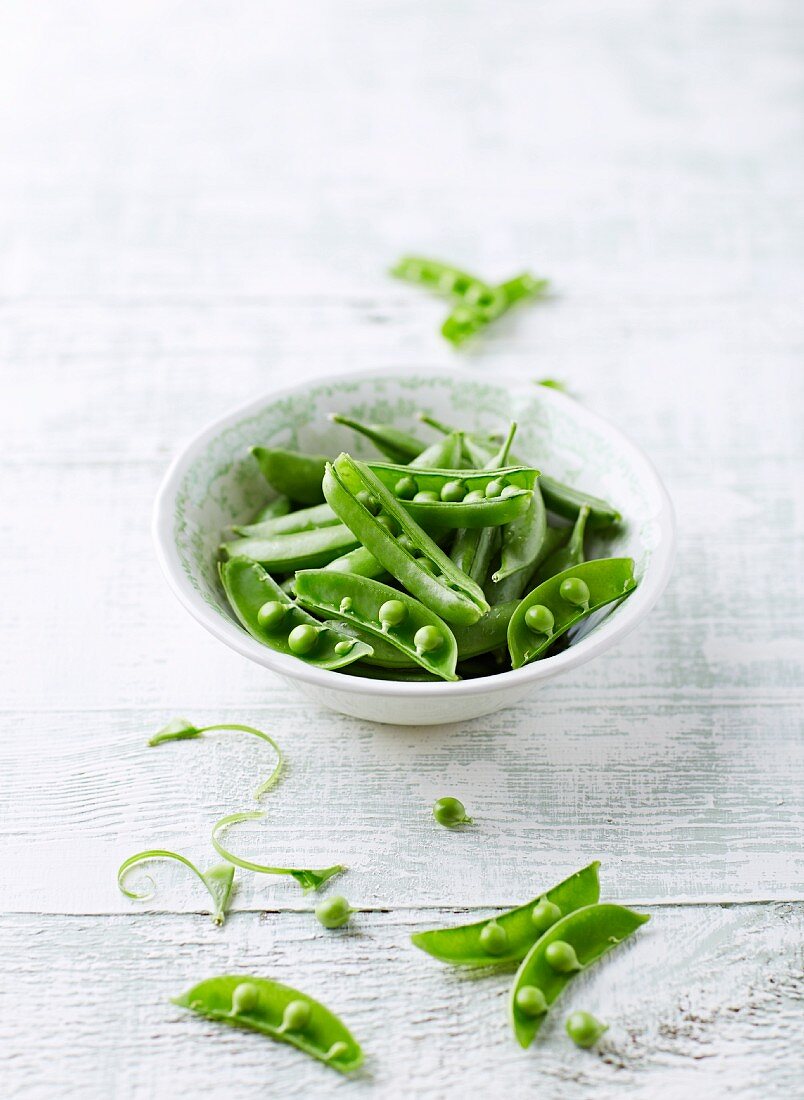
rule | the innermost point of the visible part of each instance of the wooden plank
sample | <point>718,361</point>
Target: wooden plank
<point>723,1020</point>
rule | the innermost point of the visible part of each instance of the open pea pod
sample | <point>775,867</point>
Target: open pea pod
<point>459,498</point>
<point>293,473</point>
<point>391,616</point>
<point>271,617</point>
<point>562,601</point>
<point>569,946</point>
<point>296,550</point>
<point>508,937</point>
<point>386,530</point>
<point>572,553</point>
<point>276,1010</point>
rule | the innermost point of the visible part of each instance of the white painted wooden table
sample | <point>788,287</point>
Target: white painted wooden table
<point>198,203</point>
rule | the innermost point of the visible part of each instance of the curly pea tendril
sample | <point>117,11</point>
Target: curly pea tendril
<point>218,879</point>
<point>306,878</point>
<point>182,730</point>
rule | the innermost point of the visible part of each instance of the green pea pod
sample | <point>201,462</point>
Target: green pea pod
<point>383,612</point>
<point>567,947</point>
<point>296,475</point>
<point>283,1013</point>
<point>297,550</point>
<point>432,578</point>
<point>562,601</point>
<point>570,554</point>
<point>279,506</point>
<point>305,519</point>
<point>459,498</point>
<point>445,279</point>
<point>445,453</point>
<point>562,500</point>
<point>385,655</point>
<point>360,562</point>
<point>466,319</point>
<point>271,617</point>
<point>474,547</point>
<point>487,634</point>
<point>397,445</point>
<point>468,944</point>
<point>511,588</point>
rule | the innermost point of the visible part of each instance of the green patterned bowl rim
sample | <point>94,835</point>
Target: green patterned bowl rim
<point>177,537</point>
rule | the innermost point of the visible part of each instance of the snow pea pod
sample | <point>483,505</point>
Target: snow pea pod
<point>445,453</point>
<point>568,555</point>
<point>351,487</point>
<point>279,506</point>
<point>511,588</point>
<point>474,547</point>
<point>275,620</point>
<point>360,562</point>
<point>297,550</point>
<point>459,498</point>
<point>513,933</point>
<point>442,278</point>
<point>562,601</point>
<point>305,519</point>
<point>259,1004</point>
<point>466,320</point>
<point>384,612</point>
<point>397,445</point>
<point>293,473</point>
<point>567,947</point>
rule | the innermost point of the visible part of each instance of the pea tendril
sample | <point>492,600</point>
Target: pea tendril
<point>306,878</point>
<point>218,879</point>
<point>182,730</point>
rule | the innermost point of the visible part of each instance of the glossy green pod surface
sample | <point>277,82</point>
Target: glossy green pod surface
<point>590,933</point>
<point>292,473</point>
<point>259,1004</point>
<point>603,580</point>
<point>463,945</point>
<point>296,550</point>
<point>408,625</point>
<point>249,589</point>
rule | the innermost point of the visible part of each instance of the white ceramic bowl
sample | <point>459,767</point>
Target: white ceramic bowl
<point>214,482</point>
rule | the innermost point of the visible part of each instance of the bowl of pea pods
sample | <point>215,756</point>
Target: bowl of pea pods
<point>415,547</point>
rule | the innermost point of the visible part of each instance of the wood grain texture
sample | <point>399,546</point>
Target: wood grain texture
<point>197,204</point>
<point>703,1024</point>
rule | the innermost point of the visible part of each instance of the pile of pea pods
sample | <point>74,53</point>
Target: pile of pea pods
<point>450,560</point>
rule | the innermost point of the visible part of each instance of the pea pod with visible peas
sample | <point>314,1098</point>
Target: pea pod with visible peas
<point>510,936</point>
<point>369,509</point>
<point>511,588</point>
<point>459,498</point>
<point>390,615</point>
<point>297,550</point>
<point>568,946</point>
<point>292,473</point>
<point>467,320</point>
<point>474,547</point>
<point>562,601</point>
<point>259,1004</point>
<point>272,618</point>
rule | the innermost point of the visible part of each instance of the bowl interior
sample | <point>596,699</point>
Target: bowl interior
<point>218,482</point>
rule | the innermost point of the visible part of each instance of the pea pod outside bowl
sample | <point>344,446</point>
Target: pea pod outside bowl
<point>215,482</point>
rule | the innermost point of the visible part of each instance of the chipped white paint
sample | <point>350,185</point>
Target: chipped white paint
<point>197,205</point>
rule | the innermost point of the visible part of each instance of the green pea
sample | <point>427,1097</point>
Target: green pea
<point>336,1051</point>
<point>302,639</point>
<point>344,647</point>
<point>387,523</point>
<point>368,500</point>
<point>450,812</point>
<point>296,1016</point>
<point>406,543</point>
<point>539,619</point>
<point>271,614</point>
<point>453,491</point>
<point>245,998</point>
<point>427,496</point>
<point>509,491</point>
<point>345,605</point>
<point>427,638</point>
<point>531,1001</point>
<point>544,914</point>
<point>473,496</point>
<point>406,488</point>
<point>494,938</point>
<point>333,912</point>
<point>392,613</point>
<point>495,487</point>
<point>584,1029</point>
<point>561,956</point>
<point>575,591</point>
